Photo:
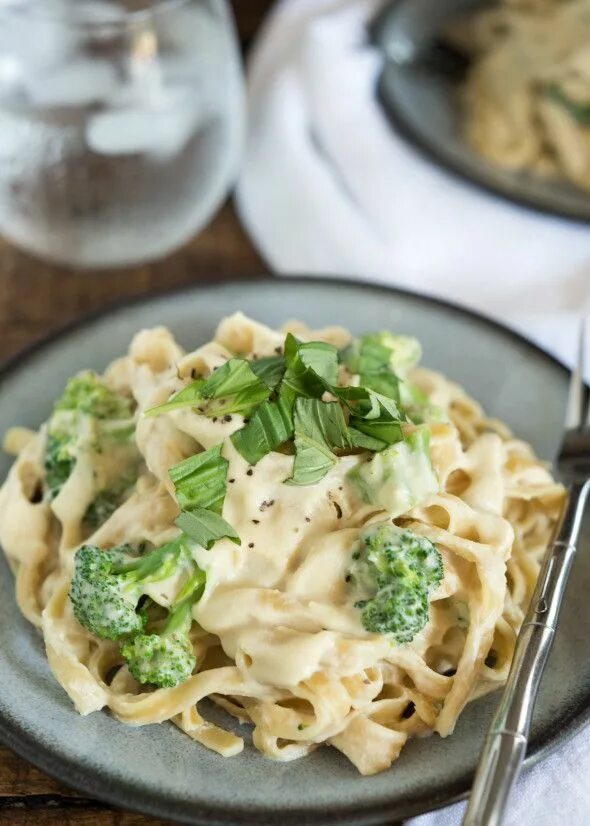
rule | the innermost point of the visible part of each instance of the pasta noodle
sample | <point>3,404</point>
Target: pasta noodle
<point>277,641</point>
<point>526,102</point>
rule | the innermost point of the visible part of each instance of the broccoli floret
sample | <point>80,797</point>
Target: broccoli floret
<point>60,458</point>
<point>402,612</point>
<point>108,585</point>
<point>86,393</point>
<point>107,502</point>
<point>101,508</point>
<point>399,477</point>
<point>394,572</point>
<point>404,351</point>
<point>91,418</point>
<point>402,554</point>
<point>167,658</point>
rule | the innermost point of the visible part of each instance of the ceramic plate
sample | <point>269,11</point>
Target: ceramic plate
<point>422,102</point>
<point>157,769</point>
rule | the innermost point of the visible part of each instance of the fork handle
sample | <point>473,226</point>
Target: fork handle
<point>507,738</point>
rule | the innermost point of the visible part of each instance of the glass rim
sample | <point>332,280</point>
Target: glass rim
<point>38,12</point>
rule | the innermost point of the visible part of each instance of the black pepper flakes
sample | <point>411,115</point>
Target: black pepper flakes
<point>256,521</point>
<point>214,419</point>
<point>268,503</point>
<point>250,544</point>
<point>231,481</point>
<point>227,418</point>
<point>338,510</point>
<point>347,578</point>
<point>249,472</point>
<point>279,351</point>
<point>307,519</point>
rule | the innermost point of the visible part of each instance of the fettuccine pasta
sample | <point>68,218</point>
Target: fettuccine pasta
<point>277,635</point>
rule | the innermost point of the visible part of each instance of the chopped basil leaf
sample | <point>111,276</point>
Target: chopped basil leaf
<point>269,427</point>
<point>200,480</point>
<point>373,414</point>
<point>371,360</point>
<point>206,527</point>
<point>232,388</point>
<point>362,440</point>
<point>386,431</point>
<point>312,367</point>
<point>189,396</point>
<point>270,369</point>
<point>319,429</point>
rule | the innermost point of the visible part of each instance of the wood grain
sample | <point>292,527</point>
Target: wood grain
<point>36,297</point>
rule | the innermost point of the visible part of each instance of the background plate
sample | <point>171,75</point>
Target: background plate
<point>157,769</point>
<point>422,104</point>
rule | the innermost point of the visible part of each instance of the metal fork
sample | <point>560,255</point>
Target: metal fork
<point>507,738</point>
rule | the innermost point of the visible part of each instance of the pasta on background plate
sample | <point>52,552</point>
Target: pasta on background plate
<point>526,101</point>
<point>327,541</point>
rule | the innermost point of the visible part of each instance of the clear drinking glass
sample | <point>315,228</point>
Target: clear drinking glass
<point>121,125</point>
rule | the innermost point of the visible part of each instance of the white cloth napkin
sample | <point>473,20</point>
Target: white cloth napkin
<point>328,188</point>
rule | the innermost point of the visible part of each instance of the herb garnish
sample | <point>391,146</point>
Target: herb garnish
<point>200,480</point>
<point>320,429</point>
<point>232,388</point>
<point>200,484</point>
<point>292,401</point>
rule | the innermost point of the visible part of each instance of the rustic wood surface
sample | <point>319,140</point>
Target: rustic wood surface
<point>35,298</point>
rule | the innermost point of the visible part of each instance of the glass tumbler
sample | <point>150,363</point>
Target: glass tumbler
<point>121,125</point>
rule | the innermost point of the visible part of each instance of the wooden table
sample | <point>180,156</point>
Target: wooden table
<point>36,297</point>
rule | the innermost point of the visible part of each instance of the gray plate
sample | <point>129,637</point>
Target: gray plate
<point>420,98</point>
<point>157,769</point>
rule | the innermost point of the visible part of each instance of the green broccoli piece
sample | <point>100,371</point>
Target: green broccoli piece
<point>91,418</point>
<point>394,572</point>
<point>107,502</point>
<point>60,458</point>
<point>101,508</point>
<point>399,477</point>
<point>86,393</point>
<point>417,405</point>
<point>107,585</point>
<point>404,351</point>
<point>167,658</point>
<point>402,612</point>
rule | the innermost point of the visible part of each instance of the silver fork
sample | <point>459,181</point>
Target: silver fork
<point>507,738</point>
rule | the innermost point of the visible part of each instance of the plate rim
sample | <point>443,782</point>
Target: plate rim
<point>429,150</point>
<point>126,795</point>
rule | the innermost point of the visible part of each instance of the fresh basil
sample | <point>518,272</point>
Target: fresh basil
<point>269,427</point>
<point>270,369</point>
<point>320,428</point>
<point>312,367</point>
<point>200,481</point>
<point>232,388</point>
<point>205,527</point>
